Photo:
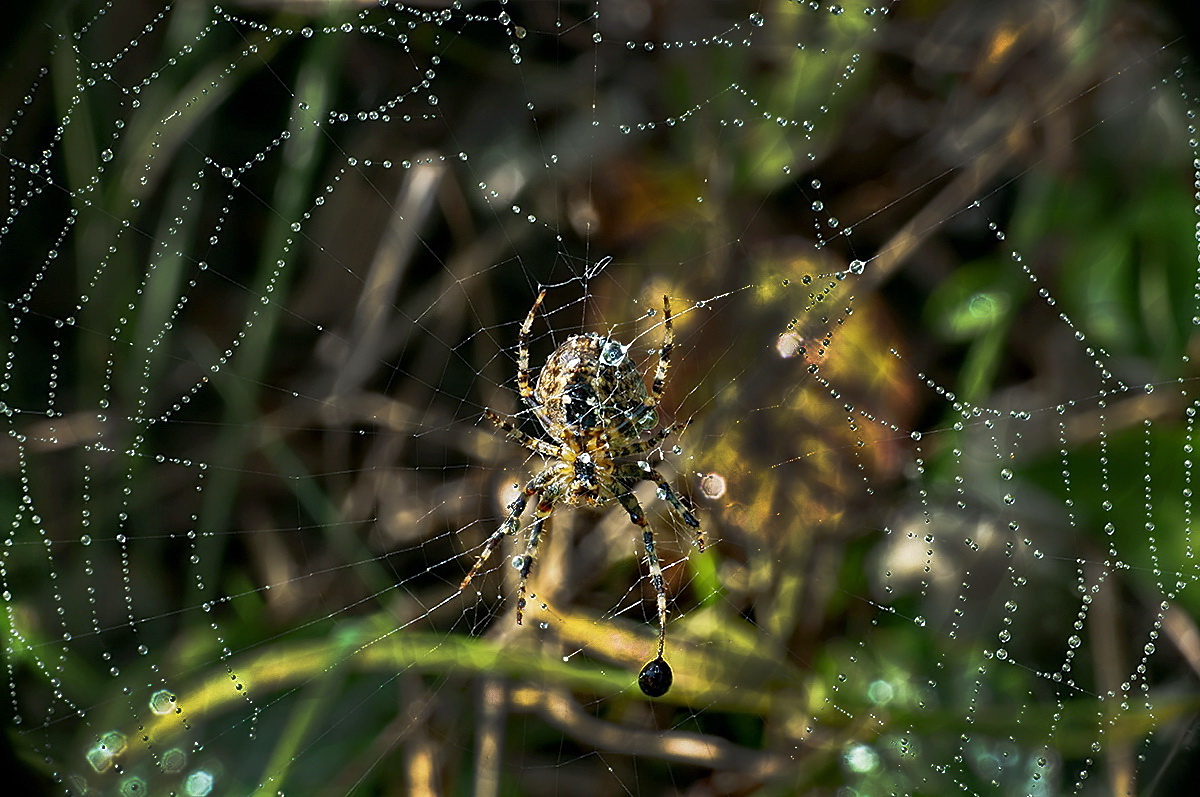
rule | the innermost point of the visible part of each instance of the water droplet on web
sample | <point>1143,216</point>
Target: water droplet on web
<point>655,678</point>
<point>613,353</point>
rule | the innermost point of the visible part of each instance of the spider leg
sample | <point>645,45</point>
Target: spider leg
<point>629,474</point>
<point>650,443</point>
<point>523,384</point>
<point>664,357</point>
<point>527,440</point>
<point>544,508</point>
<point>510,525</point>
<point>656,387</point>
<point>634,509</point>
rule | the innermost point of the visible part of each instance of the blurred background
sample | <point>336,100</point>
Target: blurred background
<point>933,266</point>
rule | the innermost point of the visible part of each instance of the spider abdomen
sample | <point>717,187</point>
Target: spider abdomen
<point>591,383</point>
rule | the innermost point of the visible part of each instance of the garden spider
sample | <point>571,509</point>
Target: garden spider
<point>591,400</point>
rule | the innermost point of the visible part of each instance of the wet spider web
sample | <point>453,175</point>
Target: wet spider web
<point>934,278</point>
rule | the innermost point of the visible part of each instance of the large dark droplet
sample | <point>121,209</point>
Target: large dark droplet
<point>655,678</point>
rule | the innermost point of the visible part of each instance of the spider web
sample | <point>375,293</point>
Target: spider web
<point>934,284</point>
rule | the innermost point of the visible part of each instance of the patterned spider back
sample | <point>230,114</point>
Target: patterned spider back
<point>590,384</point>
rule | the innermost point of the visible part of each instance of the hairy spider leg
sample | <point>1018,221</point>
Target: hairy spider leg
<point>642,446</point>
<point>523,384</point>
<point>544,507</point>
<point>630,474</point>
<point>527,440</point>
<point>511,522</point>
<point>664,357</point>
<point>634,509</point>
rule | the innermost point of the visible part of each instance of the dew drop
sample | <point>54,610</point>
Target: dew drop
<point>613,353</point>
<point>655,678</point>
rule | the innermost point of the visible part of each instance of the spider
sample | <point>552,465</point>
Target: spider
<point>591,400</point>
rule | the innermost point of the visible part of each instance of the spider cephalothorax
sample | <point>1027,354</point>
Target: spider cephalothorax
<point>591,400</point>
